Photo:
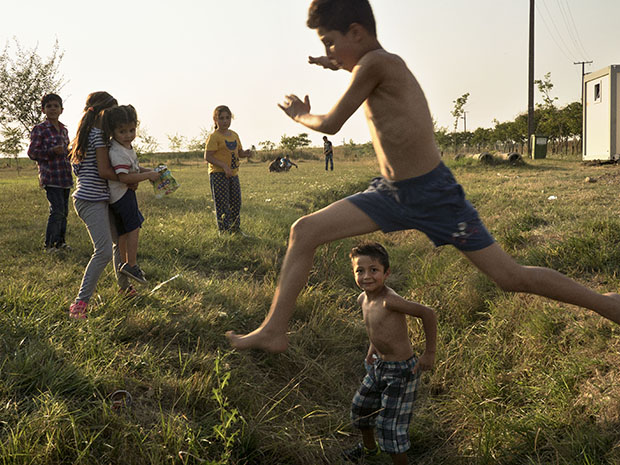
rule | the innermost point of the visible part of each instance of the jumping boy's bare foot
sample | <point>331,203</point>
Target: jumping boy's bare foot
<point>259,339</point>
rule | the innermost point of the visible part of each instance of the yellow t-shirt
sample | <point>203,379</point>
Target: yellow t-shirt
<point>226,149</point>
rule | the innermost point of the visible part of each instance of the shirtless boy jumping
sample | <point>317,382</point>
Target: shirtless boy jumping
<point>416,190</point>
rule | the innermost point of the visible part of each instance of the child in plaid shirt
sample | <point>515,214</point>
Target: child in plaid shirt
<point>49,142</point>
<point>384,401</point>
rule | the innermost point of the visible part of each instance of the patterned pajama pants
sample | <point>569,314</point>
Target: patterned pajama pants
<point>226,193</point>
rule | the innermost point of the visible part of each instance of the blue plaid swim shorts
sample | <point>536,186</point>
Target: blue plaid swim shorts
<point>385,401</point>
<point>433,203</point>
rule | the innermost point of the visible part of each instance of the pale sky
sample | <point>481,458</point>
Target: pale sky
<point>175,61</point>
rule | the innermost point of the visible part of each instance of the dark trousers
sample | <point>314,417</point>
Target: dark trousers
<point>226,193</point>
<point>58,199</point>
<point>329,159</point>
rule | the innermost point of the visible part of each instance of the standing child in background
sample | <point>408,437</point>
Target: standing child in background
<point>120,124</point>
<point>385,398</point>
<point>91,165</point>
<point>222,152</point>
<point>416,190</point>
<point>328,151</point>
<point>49,146</point>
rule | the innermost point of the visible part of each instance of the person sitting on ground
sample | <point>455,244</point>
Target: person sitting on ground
<point>275,165</point>
<point>286,163</point>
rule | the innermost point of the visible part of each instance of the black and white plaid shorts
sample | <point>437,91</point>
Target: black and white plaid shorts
<point>385,401</point>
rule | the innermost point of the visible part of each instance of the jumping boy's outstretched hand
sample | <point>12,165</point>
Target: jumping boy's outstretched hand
<point>295,107</point>
<point>325,62</point>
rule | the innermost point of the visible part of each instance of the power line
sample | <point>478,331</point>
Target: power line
<point>585,53</point>
<point>559,35</point>
<point>572,31</point>
<point>563,49</point>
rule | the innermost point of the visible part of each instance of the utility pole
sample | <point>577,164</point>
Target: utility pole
<point>464,121</point>
<point>530,84</point>
<point>583,103</point>
<point>583,73</point>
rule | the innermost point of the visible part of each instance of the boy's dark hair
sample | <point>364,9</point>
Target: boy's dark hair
<point>114,117</point>
<point>50,98</point>
<point>338,15</point>
<point>372,250</point>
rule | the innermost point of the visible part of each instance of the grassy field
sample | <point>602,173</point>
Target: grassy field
<point>518,379</point>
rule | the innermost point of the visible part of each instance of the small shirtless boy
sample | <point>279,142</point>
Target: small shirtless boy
<point>385,398</point>
<point>416,190</point>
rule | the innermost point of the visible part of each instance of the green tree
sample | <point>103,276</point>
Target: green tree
<point>481,138</point>
<point>545,86</point>
<point>459,109</point>
<point>267,145</point>
<point>25,77</point>
<point>12,143</point>
<point>175,142</point>
<point>294,142</point>
<point>503,132</point>
<point>549,122</point>
<point>197,144</point>
<point>145,143</point>
<point>443,138</point>
<point>572,114</point>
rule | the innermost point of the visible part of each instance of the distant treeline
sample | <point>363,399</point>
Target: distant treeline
<point>563,127</point>
<point>346,151</point>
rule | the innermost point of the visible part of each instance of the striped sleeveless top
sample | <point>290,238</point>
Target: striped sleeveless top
<point>90,186</point>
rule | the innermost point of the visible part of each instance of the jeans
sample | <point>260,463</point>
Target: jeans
<point>329,159</point>
<point>58,198</point>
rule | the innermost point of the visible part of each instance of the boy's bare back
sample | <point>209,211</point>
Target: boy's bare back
<point>398,116</point>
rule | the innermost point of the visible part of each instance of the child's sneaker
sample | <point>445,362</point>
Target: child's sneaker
<point>77,310</point>
<point>359,451</point>
<point>133,272</point>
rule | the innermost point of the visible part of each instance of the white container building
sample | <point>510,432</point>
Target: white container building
<point>601,114</point>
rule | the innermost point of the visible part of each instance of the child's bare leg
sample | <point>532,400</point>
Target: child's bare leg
<point>132,246</point>
<point>399,459</point>
<point>122,247</point>
<point>511,276</point>
<point>336,221</point>
<point>368,438</point>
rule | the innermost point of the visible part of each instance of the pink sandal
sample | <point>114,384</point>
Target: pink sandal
<point>77,310</point>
